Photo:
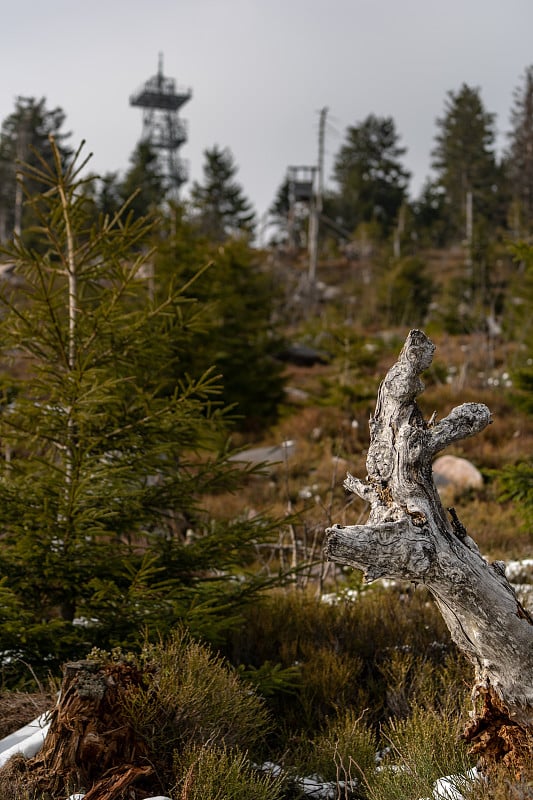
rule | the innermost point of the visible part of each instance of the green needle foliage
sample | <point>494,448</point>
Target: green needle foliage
<point>107,444</point>
<point>242,340</point>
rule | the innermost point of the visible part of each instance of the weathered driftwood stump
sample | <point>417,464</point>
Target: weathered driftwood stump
<point>409,536</point>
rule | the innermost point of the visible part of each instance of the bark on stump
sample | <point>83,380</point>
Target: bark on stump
<point>409,536</point>
<point>90,745</point>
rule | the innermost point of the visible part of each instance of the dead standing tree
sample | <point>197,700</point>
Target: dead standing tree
<point>409,536</point>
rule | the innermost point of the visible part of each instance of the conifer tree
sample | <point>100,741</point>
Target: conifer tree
<point>516,479</point>
<point>519,156</point>
<point>144,179</point>
<point>242,341</point>
<point>220,206</point>
<point>520,324</point>
<point>465,162</point>
<point>104,463</point>
<point>25,133</point>
<point>430,215</point>
<point>372,182</point>
<point>280,209</point>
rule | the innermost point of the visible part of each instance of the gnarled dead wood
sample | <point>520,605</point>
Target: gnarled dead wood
<point>409,536</point>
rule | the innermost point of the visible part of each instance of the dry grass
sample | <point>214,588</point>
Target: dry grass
<point>212,772</point>
<point>496,527</point>
<point>19,708</point>
<point>344,651</point>
<point>330,441</point>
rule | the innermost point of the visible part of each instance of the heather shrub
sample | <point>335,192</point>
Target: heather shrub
<point>213,772</point>
<point>343,652</point>
<point>418,743</point>
<point>343,751</point>
<point>416,752</point>
<point>415,680</point>
<point>193,697</point>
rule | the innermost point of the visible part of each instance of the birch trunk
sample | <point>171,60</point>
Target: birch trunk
<point>409,536</point>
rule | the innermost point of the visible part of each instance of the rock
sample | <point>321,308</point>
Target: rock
<point>301,355</point>
<point>328,292</point>
<point>295,395</point>
<point>456,474</point>
<point>267,455</point>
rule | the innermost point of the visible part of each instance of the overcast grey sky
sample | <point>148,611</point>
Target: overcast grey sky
<point>260,71</point>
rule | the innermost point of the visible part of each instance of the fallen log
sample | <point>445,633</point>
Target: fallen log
<point>410,536</point>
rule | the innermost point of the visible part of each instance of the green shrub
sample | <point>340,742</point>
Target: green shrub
<point>344,750</point>
<point>419,750</point>
<point>342,651</point>
<point>405,292</point>
<point>193,697</point>
<point>516,481</point>
<point>214,772</point>
<point>415,680</point>
<point>329,681</point>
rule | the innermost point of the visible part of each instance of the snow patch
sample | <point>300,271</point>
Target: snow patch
<point>313,786</point>
<point>79,796</point>
<point>27,741</point>
<point>451,787</point>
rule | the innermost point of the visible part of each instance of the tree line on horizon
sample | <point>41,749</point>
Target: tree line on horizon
<point>371,183</point>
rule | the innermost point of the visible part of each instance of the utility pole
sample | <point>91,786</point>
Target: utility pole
<point>399,229</point>
<point>316,203</point>
<point>469,229</point>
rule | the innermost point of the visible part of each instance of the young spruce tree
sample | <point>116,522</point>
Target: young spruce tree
<point>103,464</point>
<point>516,480</point>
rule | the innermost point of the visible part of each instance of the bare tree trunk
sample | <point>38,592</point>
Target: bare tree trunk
<point>409,536</point>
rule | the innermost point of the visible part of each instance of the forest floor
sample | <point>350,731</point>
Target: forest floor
<point>329,438</point>
<point>325,419</point>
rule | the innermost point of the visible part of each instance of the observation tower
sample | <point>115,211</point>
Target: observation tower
<point>163,129</point>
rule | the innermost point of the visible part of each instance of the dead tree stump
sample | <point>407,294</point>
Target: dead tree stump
<point>409,536</point>
<point>91,746</point>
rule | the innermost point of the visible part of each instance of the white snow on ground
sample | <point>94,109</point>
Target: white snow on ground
<point>313,786</point>
<point>158,797</point>
<point>515,569</point>
<point>27,740</point>
<point>448,788</point>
